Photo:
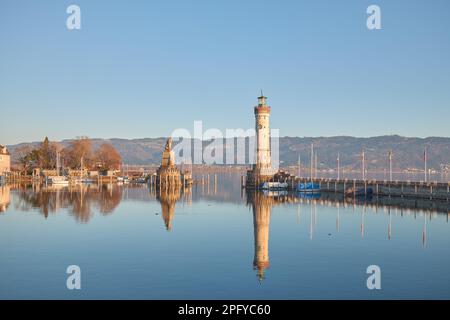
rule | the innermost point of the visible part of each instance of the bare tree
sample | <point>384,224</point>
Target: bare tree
<point>107,157</point>
<point>77,150</point>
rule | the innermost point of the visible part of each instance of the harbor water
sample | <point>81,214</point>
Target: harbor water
<point>216,241</point>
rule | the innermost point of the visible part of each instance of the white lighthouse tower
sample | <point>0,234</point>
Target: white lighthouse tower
<point>262,170</point>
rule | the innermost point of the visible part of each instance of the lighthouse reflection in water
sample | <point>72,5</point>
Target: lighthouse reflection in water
<point>262,206</point>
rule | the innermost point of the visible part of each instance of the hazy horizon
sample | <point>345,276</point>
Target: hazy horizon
<point>160,137</point>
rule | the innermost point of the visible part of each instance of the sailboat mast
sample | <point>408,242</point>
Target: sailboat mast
<point>363,164</point>
<point>315,165</point>
<point>425,163</point>
<point>58,165</point>
<point>81,167</point>
<point>312,160</point>
<point>338,167</point>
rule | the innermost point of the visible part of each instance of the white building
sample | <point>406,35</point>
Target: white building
<point>263,167</point>
<point>5,160</point>
<point>262,170</point>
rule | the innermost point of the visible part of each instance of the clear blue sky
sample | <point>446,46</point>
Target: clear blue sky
<point>143,68</point>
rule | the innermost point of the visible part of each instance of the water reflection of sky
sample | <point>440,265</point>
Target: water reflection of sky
<point>216,241</point>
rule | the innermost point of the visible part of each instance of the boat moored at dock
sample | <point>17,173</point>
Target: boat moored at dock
<point>308,187</point>
<point>274,186</point>
<point>123,179</point>
<point>57,180</point>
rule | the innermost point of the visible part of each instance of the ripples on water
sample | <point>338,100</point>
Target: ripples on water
<point>217,241</point>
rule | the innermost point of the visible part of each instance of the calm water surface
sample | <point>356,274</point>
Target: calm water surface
<point>217,242</point>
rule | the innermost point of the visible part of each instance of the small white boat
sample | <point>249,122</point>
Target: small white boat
<point>274,186</point>
<point>140,180</point>
<point>123,179</point>
<point>58,180</point>
<point>79,180</point>
<point>88,180</point>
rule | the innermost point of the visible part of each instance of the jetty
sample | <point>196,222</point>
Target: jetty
<point>402,189</point>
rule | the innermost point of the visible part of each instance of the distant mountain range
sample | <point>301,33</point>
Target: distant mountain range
<point>407,152</point>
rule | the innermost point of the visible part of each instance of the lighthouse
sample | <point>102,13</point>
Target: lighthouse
<point>262,170</point>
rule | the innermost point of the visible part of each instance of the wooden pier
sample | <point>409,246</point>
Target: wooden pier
<point>402,189</point>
